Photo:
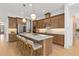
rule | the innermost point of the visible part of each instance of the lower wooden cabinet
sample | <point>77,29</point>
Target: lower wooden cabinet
<point>59,39</point>
<point>12,37</point>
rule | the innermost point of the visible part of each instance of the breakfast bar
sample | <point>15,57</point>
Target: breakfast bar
<point>44,40</point>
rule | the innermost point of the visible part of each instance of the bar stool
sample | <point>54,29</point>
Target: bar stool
<point>22,38</point>
<point>19,36</point>
<point>33,47</point>
<point>22,45</point>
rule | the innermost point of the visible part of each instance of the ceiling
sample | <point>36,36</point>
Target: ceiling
<point>17,9</point>
<point>74,9</point>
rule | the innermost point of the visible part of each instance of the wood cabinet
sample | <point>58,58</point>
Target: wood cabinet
<point>47,46</point>
<point>12,22</point>
<point>40,24</point>
<point>13,25</point>
<point>19,21</point>
<point>57,21</point>
<point>53,22</point>
<point>61,21</point>
<point>47,22</point>
<point>12,37</point>
<point>59,39</point>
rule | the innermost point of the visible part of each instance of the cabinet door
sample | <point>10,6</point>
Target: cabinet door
<point>19,21</point>
<point>61,21</point>
<point>59,39</point>
<point>40,24</point>
<point>12,22</point>
<point>62,18</point>
<point>12,37</point>
<point>53,22</point>
<point>56,22</point>
<point>47,21</point>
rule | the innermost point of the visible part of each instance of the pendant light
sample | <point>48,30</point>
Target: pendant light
<point>24,19</point>
<point>33,15</point>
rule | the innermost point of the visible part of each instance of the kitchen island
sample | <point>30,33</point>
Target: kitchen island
<point>58,34</point>
<point>44,40</point>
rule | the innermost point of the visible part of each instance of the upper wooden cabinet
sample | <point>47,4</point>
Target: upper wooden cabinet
<point>61,21</point>
<point>12,22</point>
<point>57,21</point>
<point>53,22</point>
<point>19,21</point>
<point>47,22</point>
<point>40,23</point>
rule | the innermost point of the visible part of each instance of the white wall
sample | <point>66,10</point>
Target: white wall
<point>6,29</point>
<point>4,18</point>
<point>68,28</point>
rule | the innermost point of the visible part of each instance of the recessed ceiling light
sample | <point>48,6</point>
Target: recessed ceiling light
<point>30,4</point>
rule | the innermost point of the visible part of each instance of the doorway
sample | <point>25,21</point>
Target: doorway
<point>75,31</point>
<point>74,15</point>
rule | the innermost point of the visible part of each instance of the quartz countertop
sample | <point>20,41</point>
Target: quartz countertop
<point>37,37</point>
